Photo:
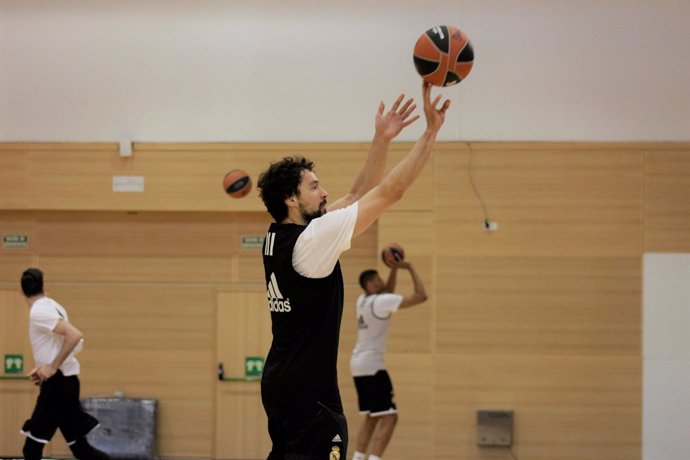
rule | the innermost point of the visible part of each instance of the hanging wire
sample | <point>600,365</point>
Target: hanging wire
<point>470,171</point>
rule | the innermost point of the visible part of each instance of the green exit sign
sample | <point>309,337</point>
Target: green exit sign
<point>15,241</point>
<point>253,241</point>
<point>14,364</point>
<point>253,366</point>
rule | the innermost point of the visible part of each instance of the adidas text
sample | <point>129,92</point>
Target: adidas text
<point>279,306</point>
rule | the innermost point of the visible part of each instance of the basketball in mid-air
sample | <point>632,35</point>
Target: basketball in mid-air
<point>237,183</point>
<point>392,254</point>
<point>443,56</point>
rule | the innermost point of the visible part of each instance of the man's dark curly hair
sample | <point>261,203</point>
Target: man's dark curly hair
<point>281,181</point>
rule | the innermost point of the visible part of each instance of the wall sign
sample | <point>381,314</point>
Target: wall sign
<point>128,183</point>
<point>253,366</point>
<point>253,241</point>
<point>15,241</point>
<point>14,364</point>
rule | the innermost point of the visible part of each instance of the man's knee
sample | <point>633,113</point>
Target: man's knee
<point>390,419</point>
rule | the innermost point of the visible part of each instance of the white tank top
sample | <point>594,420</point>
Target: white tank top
<point>373,323</point>
<point>43,317</point>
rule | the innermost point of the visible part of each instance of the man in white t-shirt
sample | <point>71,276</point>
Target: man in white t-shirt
<point>54,341</point>
<point>304,285</point>
<point>374,387</point>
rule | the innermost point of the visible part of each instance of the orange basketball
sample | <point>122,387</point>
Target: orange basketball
<point>443,56</point>
<point>237,183</point>
<point>392,254</point>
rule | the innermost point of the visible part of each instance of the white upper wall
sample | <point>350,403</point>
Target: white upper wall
<point>307,70</point>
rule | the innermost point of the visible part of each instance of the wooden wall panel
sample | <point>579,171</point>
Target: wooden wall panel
<point>67,176</point>
<point>209,271</point>
<point>170,183</point>
<point>547,201</point>
<point>14,166</point>
<point>420,195</point>
<point>249,267</point>
<point>667,201</point>
<point>14,324</point>
<point>539,306</point>
<point>412,375</point>
<point>414,230</point>
<point>177,177</point>
<point>243,328</point>
<point>17,223</point>
<point>542,316</point>
<point>150,341</point>
<point>16,396</point>
<point>148,234</point>
<point>11,268</point>
<point>567,406</point>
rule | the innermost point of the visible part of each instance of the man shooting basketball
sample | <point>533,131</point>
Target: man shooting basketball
<point>299,387</point>
<point>373,384</point>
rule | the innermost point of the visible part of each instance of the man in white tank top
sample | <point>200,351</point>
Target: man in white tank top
<point>374,387</point>
<point>55,341</point>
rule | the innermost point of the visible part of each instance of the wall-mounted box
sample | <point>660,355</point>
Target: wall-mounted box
<point>494,427</point>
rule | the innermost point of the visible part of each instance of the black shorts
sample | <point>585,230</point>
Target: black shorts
<point>318,435</point>
<point>58,406</point>
<point>375,394</point>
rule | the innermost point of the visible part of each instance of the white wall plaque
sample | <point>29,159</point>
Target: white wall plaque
<point>128,183</point>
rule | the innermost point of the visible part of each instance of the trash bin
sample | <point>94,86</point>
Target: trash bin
<point>128,426</point>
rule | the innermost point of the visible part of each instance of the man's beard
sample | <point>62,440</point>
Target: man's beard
<point>309,216</point>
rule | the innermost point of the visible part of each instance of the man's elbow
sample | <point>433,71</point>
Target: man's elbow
<point>76,336</point>
<point>393,194</point>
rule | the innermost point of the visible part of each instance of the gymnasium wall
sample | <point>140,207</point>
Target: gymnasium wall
<point>310,70</point>
<point>542,316</point>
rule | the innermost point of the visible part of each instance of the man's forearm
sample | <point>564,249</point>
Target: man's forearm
<point>417,283</point>
<point>68,346</point>
<point>392,280</point>
<point>399,179</point>
<point>372,172</point>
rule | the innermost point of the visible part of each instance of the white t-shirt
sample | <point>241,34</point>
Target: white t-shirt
<point>319,246</point>
<point>43,318</point>
<point>373,323</point>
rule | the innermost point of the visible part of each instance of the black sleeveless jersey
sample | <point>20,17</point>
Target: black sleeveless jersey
<point>301,366</point>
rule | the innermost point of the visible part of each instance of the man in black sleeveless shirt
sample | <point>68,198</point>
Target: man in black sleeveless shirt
<point>299,387</point>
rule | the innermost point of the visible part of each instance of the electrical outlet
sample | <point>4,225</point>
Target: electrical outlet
<point>490,225</point>
<point>494,428</point>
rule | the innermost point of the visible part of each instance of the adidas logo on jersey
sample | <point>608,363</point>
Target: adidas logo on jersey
<point>361,324</point>
<point>276,302</point>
